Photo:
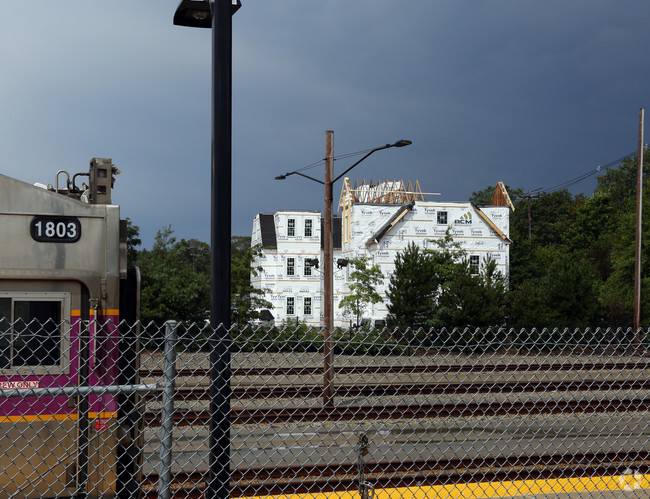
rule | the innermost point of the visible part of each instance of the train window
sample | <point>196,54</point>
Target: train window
<point>5,345</point>
<point>33,330</point>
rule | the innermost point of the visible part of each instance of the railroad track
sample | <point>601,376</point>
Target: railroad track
<point>405,411</point>
<point>412,389</point>
<point>418,369</point>
<point>417,473</point>
<point>627,391</point>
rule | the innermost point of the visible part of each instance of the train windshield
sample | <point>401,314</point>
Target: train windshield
<point>31,330</point>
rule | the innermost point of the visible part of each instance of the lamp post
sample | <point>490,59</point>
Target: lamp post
<point>639,233</point>
<point>217,14</point>
<point>328,256</point>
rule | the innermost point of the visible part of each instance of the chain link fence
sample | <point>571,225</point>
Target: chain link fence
<point>439,413</point>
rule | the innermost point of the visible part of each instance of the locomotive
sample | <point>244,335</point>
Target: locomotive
<point>69,310</point>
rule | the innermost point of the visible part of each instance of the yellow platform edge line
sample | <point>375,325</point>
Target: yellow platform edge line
<point>55,417</point>
<point>626,482</point>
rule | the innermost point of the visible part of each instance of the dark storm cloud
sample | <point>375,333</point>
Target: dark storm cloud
<point>530,93</point>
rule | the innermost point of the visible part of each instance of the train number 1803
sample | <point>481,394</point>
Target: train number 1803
<point>55,229</point>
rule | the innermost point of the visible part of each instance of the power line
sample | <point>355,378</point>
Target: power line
<point>575,180</point>
<point>342,156</point>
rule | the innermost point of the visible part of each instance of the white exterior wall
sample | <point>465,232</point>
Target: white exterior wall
<point>420,225</point>
<point>274,279</point>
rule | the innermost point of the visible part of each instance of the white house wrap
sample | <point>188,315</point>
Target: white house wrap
<point>291,242</point>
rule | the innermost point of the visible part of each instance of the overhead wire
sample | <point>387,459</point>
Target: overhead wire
<point>579,178</point>
<point>342,156</point>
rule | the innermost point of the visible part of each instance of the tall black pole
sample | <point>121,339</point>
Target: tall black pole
<point>218,486</point>
<point>639,225</point>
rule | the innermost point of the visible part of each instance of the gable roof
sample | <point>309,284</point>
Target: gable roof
<point>390,223</point>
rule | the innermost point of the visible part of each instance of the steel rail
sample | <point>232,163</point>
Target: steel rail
<point>406,411</point>
<point>414,389</point>
<point>419,369</point>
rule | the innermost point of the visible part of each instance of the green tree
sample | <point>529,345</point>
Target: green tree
<point>246,301</point>
<point>571,292</point>
<point>621,183</point>
<point>592,234</point>
<point>476,300</point>
<point>416,284</point>
<point>617,294</point>
<point>175,279</point>
<point>527,306</point>
<point>363,280</point>
<point>552,216</point>
<point>411,291</point>
<point>132,241</point>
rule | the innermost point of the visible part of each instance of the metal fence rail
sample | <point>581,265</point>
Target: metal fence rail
<point>440,413</point>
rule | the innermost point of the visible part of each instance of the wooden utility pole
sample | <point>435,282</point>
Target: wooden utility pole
<point>328,271</point>
<point>639,219</point>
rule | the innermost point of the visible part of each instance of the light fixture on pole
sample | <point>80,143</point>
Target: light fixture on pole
<point>197,13</point>
<point>217,15</point>
<point>328,255</point>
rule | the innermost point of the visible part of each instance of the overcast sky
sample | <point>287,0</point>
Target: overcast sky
<point>531,93</point>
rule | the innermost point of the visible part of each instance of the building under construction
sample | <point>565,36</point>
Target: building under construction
<point>377,221</point>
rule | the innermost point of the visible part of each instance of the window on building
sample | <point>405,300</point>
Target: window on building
<point>291,266</point>
<point>442,218</point>
<point>474,264</point>
<point>308,227</point>
<point>291,227</point>
<point>307,306</point>
<point>291,305</point>
<point>307,267</point>
<point>33,329</point>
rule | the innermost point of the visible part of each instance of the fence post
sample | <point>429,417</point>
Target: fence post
<point>167,416</point>
<point>84,401</point>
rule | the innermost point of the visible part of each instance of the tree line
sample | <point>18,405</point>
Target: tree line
<point>572,259</point>
<point>571,265</point>
<point>176,278</point>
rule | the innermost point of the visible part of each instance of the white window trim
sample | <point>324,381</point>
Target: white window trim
<point>64,362</point>
<point>474,268</point>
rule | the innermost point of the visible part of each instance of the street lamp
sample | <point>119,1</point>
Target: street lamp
<point>328,255</point>
<point>217,14</point>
